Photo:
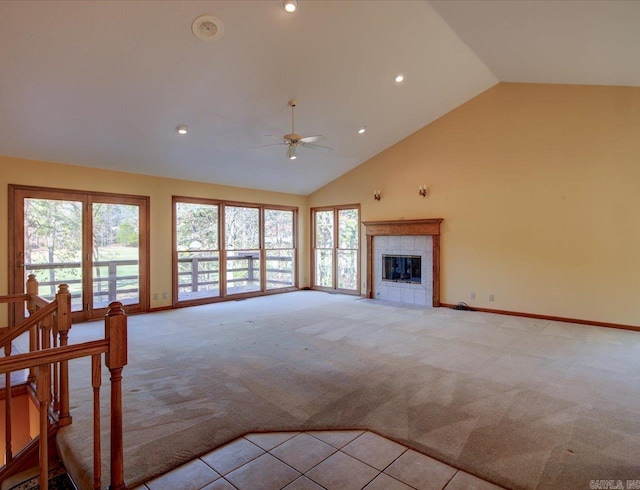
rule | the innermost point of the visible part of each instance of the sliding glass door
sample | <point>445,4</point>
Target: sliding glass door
<point>95,243</point>
<point>53,247</point>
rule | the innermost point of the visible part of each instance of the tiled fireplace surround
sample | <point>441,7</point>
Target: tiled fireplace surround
<point>405,237</point>
<point>404,292</point>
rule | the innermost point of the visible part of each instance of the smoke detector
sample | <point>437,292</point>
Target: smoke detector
<point>207,28</point>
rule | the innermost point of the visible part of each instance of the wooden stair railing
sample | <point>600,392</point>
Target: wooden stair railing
<point>47,361</point>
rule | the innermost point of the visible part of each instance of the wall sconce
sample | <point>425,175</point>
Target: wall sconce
<point>377,195</point>
<point>422,190</point>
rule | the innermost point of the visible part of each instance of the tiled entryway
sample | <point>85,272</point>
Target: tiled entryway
<point>331,460</point>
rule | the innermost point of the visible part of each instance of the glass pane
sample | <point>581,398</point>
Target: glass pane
<point>242,228</point>
<point>243,271</point>
<point>198,274</point>
<point>348,226</point>
<point>278,228</point>
<point>198,255</point>
<point>324,229</point>
<point>280,269</point>
<point>53,246</point>
<point>196,226</point>
<point>324,268</point>
<point>347,269</point>
<point>116,258</point>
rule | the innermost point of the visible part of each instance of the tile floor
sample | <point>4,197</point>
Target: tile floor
<point>332,460</point>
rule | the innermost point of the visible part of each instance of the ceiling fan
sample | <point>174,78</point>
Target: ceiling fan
<point>294,140</point>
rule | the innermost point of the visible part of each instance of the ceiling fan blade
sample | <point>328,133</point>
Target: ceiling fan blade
<point>272,144</point>
<point>313,146</point>
<point>312,139</point>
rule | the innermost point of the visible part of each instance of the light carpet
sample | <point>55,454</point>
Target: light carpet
<point>520,402</point>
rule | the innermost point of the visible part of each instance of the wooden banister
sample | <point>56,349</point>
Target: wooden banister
<point>96,381</point>
<point>23,361</point>
<point>14,298</point>
<point>49,324</point>
<point>14,332</point>
<point>63,325</point>
<point>44,390</point>
<point>116,333</point>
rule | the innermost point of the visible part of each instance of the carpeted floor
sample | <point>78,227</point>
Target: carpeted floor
<point>523,403</point>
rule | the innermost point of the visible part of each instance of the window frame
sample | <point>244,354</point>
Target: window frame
<point>18,193</point>
<point>224,295</point>
<point>175,277</point>
<point>335,248</point>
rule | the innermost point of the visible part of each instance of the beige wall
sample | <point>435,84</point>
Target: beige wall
<point>160,190</point>
<point>539,188</point>
<point>22,409</point>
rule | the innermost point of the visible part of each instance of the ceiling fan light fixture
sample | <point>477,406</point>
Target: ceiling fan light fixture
<point>182,129</point>
<point>291,152</point>
<point>290,6</point>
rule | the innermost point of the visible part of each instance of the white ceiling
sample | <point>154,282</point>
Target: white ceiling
<point>105,83</point>
<point>551,41</point>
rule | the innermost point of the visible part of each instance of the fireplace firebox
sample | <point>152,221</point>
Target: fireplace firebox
<point>402,268</point>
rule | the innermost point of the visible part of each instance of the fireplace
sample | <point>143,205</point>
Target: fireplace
<point>394,249</point>
<point>402,268</point>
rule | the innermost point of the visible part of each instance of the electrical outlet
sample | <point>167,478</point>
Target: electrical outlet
<point>472,296</point>
<point>491,298</point>
<point>164,295</point>
<point>155,296</point>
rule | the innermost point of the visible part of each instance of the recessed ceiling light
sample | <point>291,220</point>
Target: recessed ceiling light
<point>399,78</point>
<point>361,130</point>
<point>182,129</point>
<point>290,5</point>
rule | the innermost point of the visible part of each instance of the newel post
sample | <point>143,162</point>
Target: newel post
<point>116,358</point>
<point>32,290</point>
<point>63,299</point>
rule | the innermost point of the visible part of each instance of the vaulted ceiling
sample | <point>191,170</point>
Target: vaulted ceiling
<point>105,83</point>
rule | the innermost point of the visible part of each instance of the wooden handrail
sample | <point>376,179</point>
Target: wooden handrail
<point>53,355</point>
<point>38,302</point>
<point>14,298</point>
<point>27,323</point>
<point>49,324</point>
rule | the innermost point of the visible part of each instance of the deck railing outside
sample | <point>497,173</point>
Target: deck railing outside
<point>195,275</point>
<point>198,275</point>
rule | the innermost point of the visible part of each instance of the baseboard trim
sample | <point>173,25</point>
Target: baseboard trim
<point>551,317</point>
<point>160,308</point>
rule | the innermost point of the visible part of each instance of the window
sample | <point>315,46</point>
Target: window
<point>229,249</point>
<point>336,249</point>
<point>198,253</point>
<point>242,239</point>
<point>279,248</point>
